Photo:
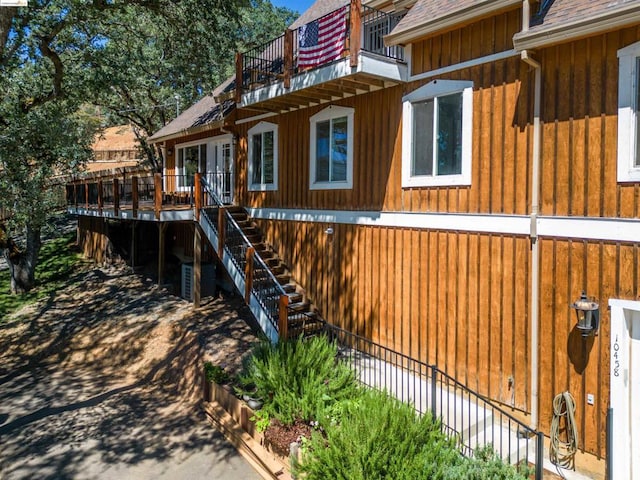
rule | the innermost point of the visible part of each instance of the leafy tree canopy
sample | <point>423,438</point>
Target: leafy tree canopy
<point>132,58</point>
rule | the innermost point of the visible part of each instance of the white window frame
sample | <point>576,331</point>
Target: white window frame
<point>437,88</point>
<point>330,113</point>
<point>260,129</point>
<point>628,77</point>
<point>180,171</point>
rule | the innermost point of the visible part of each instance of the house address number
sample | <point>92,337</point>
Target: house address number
<point>616,359</point>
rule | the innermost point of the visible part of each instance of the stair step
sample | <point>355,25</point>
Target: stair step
<point>283,278</point>
<point>299,307</point>
<point>289,287</point>
<point>294,297</point>
<point>239,217</point>
<point>255,238</point>
<point>272,262</point>
<point>277,269</point>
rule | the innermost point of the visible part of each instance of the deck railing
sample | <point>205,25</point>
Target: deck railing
<point>277,59</point>
<point>473,420</point>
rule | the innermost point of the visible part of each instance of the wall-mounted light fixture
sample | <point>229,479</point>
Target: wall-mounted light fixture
<point>588,314</point>
<point>169,151</point>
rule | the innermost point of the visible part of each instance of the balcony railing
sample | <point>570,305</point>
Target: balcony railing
<point>280,60</point>
<point>142,191</point>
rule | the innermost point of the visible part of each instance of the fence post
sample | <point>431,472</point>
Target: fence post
<point>238,77</point>
<point>100,197</point>
<point>157,193</point>
<point>288,57</point>
<point>539,454</point>
<point>222,226</point>
<point>283,317</point>
<point>134,196</point>
<point>198,195</point>
<point>248,274</point>
<point>355,27</point>
<point>75,195</point>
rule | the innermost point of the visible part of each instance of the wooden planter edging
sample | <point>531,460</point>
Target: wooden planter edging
<point>231,416</point>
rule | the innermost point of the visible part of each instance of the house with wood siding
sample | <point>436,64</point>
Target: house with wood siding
<point>446,183</point>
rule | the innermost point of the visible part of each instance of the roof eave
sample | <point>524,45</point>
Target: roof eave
<point>445,23</point>
<point>565,32</point>
<point>187,131</point>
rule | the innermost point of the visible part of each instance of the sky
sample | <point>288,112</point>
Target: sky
<point>299,5</point>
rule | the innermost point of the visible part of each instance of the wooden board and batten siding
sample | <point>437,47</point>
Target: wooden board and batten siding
<point>462,299</point>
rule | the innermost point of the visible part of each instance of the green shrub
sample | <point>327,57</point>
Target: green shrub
<point>300,379</point>
<point>380,437</point>
<point>215,373</point>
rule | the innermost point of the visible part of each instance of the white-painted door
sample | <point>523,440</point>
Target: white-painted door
<point>219,172</point>
<point>625,388</point>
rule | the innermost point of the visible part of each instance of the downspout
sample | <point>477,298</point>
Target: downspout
<point>533,231</point>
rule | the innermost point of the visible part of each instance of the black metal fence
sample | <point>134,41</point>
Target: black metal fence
<point>469,417</point>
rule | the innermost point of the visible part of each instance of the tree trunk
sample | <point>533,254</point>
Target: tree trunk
<point>22,264</point>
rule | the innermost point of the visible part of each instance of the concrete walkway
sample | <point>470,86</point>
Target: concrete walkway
<point>100,382</point>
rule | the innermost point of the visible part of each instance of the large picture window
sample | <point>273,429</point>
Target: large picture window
<point>263,157</point>
<point>437,131</point>
<point>332,149</point>
<point>629,114</point>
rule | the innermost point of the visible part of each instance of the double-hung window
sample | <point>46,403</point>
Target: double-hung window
<point>436,134</point>
<point>331,147</point>
<point>263,157</point>
<point>629,114</point>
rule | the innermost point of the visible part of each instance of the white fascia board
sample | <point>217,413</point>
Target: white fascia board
<point>367,63</point>
<point>626,15</point>
<point>598,229</point>
<point>469,14</point>
<point>176,215</point>
<point>606,229</point>
<point>263,319</point>
<point>507,224</point>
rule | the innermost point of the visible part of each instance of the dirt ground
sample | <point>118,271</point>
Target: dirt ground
<point>102,381</point>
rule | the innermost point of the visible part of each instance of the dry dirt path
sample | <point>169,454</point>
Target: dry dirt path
<point>100,382</point>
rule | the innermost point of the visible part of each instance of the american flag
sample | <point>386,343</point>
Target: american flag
<point>322,40</point>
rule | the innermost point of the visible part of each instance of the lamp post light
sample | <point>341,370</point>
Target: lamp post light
<point>588,314</point>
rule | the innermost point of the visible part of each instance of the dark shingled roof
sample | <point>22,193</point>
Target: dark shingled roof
<point>557,13</point>
<point>204,111</point>
<point>318,9</point>
<point>430,11</point>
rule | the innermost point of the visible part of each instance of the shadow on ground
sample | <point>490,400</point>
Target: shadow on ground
<point>102,381</point>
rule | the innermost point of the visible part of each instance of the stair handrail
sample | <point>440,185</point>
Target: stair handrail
<point>356,348</point>
<point>230,221</point>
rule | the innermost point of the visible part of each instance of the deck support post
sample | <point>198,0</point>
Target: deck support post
<point>283,317</point>
<point>355,28</point>
<point>134,244</point>
<point>75,195</point>
<point>157,194</point>
<point>288,57</point>
<point>248,274</point>
<point>197,191</point>
<point>134,196</point>
<point>197,265</point>
<point>86,194</point>
<point>116,197</point>
<point>162,228</point>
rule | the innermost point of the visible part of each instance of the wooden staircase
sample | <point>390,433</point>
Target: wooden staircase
<point>303,318</point>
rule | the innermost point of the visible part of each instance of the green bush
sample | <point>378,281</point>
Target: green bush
<point>380,437</point>
<point>215,373</point>
<point>300,379</point>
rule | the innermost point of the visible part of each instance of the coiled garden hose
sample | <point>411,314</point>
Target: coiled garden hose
<point>562,451</point>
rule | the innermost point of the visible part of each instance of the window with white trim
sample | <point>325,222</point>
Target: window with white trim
<point>629,114</point>
<point>331,149</point>
<point>263,157</point>
<point>190,158</point>
<point>437,126</point>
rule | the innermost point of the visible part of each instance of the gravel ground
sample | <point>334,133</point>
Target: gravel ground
<point>102,381</point>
